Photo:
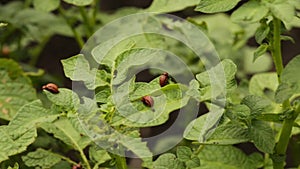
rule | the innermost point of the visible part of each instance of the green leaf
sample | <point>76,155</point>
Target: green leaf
<point>283,92</point>
<point>13,69</point>
<point>261,50</point>
<point>229,69</point>
<point>262,135</point>
<point>14,94</point>
<point>282,10</point>
<point>136,114</point>
<point>136,145</point>
<point>251,11</point>
<point>46,5</point>
<point>10,145</point>
<point>287,38</point>
<point>230,133</point>
<point>214,157</point>
<point>77,68</point>
<point>262,64</point>
<point>262,32</point>
<point>103,95</point>
<point>291,82</point>
<point>262,81</point>
<point>257,104</point>
<point>97,155</point>
<point>193,90</point>
<point>65,99</point>
<point>41,158</point>
<point>184,153</point>
<point>79,2</point>
<point>213,6</point>
<point>166,6</point>
<point>68,130</point>
<point>167,161</point>
<point>16,166</point>
<point>30,116</point>
<point>102,56</point>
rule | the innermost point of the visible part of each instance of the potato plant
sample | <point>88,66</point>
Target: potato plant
<point>250,97</point>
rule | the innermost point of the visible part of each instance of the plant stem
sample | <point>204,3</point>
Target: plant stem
<point>120,161</point>
<point>276,47</point>
<point>282,144</point>
<point>86,20</point>
<point>75,33</point>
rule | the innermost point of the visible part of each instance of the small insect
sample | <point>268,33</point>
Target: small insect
<point>51,87</point>
<point>163,79</point>
<point>5,50</point>
<point>77,166</point>
<point>148,101</point>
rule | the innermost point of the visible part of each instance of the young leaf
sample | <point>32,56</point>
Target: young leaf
<point>262,32</point>
<point>41,158</point>
<point>213,157</point>
<point>14,94</point>
<point>282,10</point>
<point>166,6</point>
<point>251,11</point>
<point>213,6</point>
<point>185,155</point>
<point>261,50</point>
<point>288,38</point>
<point>167,161</point>
<point>46,5</point>
<point>262,135</point>
<point>79,2</point>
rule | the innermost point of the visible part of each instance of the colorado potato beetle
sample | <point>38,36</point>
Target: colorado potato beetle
<point>51,87</point>
<point>5,50</point>
<point>148,101</point>
<point>163,79</point>
<point>77,166</point>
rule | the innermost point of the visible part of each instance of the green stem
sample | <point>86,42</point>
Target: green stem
<point>276,47</point>
<point>87,21</point>
<point>199,149</point>
<point>75,33</point>
<point>281,147</point>
<point>120,161</point>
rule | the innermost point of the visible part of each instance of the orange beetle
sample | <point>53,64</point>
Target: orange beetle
<point>148,101</point>
<point>51,87</point>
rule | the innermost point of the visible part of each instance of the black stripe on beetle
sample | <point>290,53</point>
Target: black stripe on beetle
<point>51,87</point>
<point>163,79</point>
<point>148,101</point>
